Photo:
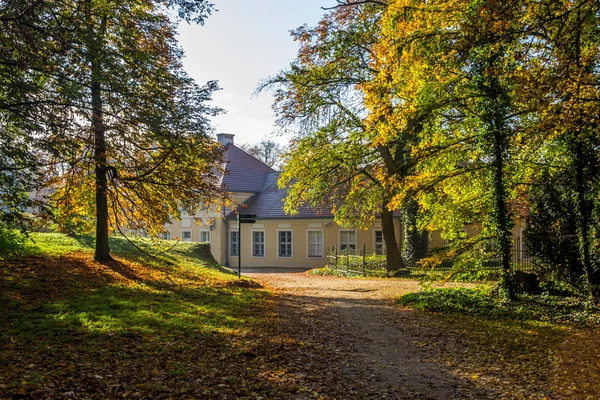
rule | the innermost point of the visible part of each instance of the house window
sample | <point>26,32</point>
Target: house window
<point>315,243</point>
<point>347,240</point>
<point>379,246</point>
<point>186,222</point>
<point>166,235</point>
<point>234,243</point>
<point>285,243</point>
<point>258,244</point>
<point>186,236</point>
<point>205,236</point>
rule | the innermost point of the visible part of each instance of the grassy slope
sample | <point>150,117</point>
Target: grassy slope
<point>139,327</point>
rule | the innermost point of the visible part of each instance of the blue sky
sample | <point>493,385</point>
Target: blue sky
<point>241,44</point>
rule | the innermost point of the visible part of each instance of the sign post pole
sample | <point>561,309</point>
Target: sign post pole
<point>239,248</point>
<point>243,219</point>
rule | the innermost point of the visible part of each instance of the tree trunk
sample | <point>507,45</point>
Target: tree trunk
<point>102,248</point>
<point>498,139</point>
<point>410,244</point>
<point>502,219</point>
<point>393,258</point>
<point>503,232</point>
<point>592,277</point>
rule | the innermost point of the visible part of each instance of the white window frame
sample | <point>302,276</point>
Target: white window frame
<point>340,239</point>
<point>264,243</point>
<point>205,231</point>
<point>375,250</point>
<point>279,243</point>
<point>183,238</point>
<point>231,253</point>
<point>308,243</point>
<point>165,235</point>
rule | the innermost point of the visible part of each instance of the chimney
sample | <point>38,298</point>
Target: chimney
<point>225,138</point>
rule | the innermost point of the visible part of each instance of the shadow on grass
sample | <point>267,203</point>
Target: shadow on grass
<point>86,241</point>
<point>99,331</point>
<point>49,294</point>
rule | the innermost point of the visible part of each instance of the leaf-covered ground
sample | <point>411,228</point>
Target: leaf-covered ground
<point>177,326</point>
<point>415,354</point>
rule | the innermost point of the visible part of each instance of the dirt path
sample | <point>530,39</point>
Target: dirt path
<point>375,351</point>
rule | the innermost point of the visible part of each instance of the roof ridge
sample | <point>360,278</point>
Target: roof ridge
<point>256,158</point>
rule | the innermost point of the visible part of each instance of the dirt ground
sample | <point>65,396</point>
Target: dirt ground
<point>359,315</point>
<point>361,344</point>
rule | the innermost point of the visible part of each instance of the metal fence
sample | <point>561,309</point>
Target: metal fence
<point>358,261</point>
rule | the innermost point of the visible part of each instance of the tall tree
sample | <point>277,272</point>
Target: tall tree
<point>568,64</point>
<point>333,159</point>
<point>448,69</point>
<point>134,120</point>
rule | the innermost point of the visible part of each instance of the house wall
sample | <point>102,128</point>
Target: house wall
<point>212,221</point>
<point>300,249</point>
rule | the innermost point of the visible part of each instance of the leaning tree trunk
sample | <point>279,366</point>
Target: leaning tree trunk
<point>102,248</point>
<point>393,257</point>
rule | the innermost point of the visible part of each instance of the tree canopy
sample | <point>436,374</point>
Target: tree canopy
<point>460,106</point>
<point>99,103</point>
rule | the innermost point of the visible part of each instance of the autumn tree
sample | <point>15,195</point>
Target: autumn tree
<point>136,124</point>
<point>567,64</point>
<point>451,68</point>
<point>30,113</point>
<point>333,160</point>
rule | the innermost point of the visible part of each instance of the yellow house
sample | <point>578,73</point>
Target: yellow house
<point>275,239</point>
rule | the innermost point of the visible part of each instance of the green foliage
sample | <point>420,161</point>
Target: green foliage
<point>551,230</point>
<point>484,302</point>
<point>12,242</point>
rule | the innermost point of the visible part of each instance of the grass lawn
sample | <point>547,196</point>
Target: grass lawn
<point>172,326</point>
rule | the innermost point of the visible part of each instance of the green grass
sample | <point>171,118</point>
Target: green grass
<point>484,302</point>
<point>173,314</point>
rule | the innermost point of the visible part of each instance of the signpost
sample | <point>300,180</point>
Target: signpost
<point>243,219</point>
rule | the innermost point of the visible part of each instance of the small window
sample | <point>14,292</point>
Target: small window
<point>234,243</point>
<point>205,236</point>
<point>166,235</point>
<point>315,243</point>
<point>258,244</point>
<point>186,236</point>
<point>285,243</point>
<point>379,246</point>
<point>347,240</point>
